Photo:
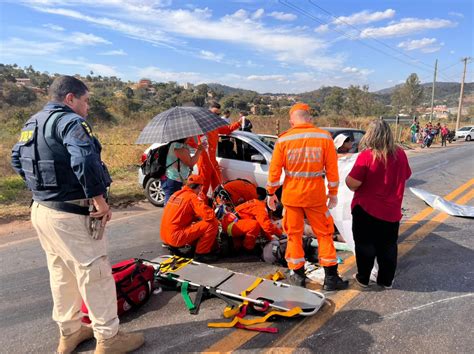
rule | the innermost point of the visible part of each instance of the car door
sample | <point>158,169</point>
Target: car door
<point>235,158</point>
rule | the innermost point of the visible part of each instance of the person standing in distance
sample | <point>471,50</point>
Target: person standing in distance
<point>306,154</point>
<point>59,158</point>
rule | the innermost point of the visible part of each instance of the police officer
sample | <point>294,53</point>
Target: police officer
<point>59,158</point>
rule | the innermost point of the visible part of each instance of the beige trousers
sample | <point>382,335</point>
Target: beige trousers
<point>78,269</point>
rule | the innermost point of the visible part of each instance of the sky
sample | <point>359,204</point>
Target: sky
<point>286,46</point>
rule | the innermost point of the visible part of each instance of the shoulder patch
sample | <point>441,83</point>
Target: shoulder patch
<point>87,128</point>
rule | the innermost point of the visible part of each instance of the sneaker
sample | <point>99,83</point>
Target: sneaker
<point>388,287</point>
<point>358,282</point>
<point>68,343</point>
<point>120,343</point>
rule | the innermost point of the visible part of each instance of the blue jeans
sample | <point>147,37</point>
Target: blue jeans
<point>170,186</point>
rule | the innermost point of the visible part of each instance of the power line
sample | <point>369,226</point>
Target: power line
<point>345,34</point>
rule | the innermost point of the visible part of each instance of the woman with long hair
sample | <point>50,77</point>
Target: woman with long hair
<point>378,181</point>
<point>180,163</point>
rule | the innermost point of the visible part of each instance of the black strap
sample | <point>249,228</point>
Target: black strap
<point>66,207</point>
<point>197,300</point>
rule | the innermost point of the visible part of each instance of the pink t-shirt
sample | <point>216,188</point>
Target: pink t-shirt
<point>382,188</point>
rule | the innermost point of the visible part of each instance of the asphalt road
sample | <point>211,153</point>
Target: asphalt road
<point>429,310</point>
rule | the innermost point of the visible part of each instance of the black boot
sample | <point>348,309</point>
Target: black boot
<point>332,280</point>
<point>296,277</point>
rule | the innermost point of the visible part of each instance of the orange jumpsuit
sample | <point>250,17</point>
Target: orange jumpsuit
<point>207,164</point>
<point>253,220</point>
<point>241,191</point>
<point>188,220</point>
<point>306,154</point>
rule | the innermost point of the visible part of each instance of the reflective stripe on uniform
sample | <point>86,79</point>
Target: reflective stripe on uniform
<point>273,184</point>
<point>229,228</point>
<point>303,136</point>
<point>306,174</point>
<point>295,260</point>
<point>333,184</point>
<point>329,260</point>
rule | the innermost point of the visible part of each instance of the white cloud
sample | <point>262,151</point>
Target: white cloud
<point>98,69</point>
<point>87,39</point>
<point>364,17</point>
<point>456,14</point>
<point>53,27</point>
<point>160,25</point>
<point>405,27</point>
<point>208,55</point>
<point>156,74</point>
<point>322,29</point>
<point>117,52</point>
<point>17,47</point>
<point>452,52</point>
<point>266,77</point>
<point>426,45</point>
<point>258,14</point>
<point>358,71</point>
<point>283,16</point>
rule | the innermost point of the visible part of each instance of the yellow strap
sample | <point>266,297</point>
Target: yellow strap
<point>290,313</point>
<point>278,275</point>
<point>180,262</point>
<point>233,311</point>
<point>229,228</point>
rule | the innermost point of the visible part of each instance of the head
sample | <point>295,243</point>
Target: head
<point>195,182</point>
<point>242,114</point>
<point>379,139</point>
<point>299,114</point>
<point>215,107</point>
<point>227,113</point>
<point>72,92</point>
<point>343,143</point>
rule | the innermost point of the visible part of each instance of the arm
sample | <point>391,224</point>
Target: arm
<point>264,221</point>
<point>274,173</point>
<point>184,155</point>
<point>332,172</point>
<point>352,183</point>
<point>202,210</point>
<point>15,160</point>
<point>227,129</point>
<point>85,156</point>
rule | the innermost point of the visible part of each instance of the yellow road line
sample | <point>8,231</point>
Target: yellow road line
<point>310,325</point>
<point>237,338</point>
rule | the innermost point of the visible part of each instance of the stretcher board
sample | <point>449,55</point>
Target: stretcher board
<point>231,284</point>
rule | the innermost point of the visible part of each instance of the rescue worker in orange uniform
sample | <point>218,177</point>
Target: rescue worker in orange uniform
<point>207,164</point>
<point>187,220</point>
<point>241,190</point>
<point>306,154</point>
<point>252,220</point>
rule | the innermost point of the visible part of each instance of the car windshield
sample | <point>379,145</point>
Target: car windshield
<point>463,129</point>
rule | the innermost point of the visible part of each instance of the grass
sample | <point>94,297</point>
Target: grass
<point>122,157</point>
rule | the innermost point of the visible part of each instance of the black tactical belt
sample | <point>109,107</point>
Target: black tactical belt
<point>66,207</point>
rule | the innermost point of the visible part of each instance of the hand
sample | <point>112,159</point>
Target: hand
<point>102,209</point>
<point>271,202</point>
<point>332,201</point>
<point>203,145</point>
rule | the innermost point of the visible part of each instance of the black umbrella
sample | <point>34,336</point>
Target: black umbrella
<point>178,123</point>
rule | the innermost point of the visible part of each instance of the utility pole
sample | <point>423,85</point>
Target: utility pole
<point>433,90</point>
<point>461,93</point>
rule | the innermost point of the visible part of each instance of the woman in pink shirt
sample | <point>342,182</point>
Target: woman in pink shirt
<point>378,181</point>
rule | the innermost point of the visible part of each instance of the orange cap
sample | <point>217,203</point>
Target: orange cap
<point>195,179</point>
<point>300,106</point>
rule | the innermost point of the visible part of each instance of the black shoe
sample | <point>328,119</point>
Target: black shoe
<point>296,277</point>
<point>333,281</point>
<point>206,257</point>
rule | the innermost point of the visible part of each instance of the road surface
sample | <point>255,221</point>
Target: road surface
<point>429,310</point>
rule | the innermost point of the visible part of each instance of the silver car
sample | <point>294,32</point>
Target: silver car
<point>240,155</point>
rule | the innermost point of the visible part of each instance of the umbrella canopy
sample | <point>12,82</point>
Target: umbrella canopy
<point>178,123</point>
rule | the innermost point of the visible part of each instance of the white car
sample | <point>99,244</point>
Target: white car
<point>240,155</point>
<point>465,133</point>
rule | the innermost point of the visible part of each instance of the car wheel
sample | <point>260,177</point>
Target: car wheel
<point>154,193</point>
<point>468,138</point>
